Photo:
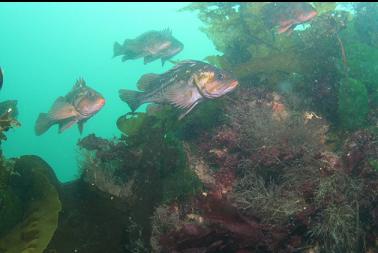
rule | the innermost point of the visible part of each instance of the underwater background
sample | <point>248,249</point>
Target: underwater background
<point>46,47</point>
<point>259,133</point>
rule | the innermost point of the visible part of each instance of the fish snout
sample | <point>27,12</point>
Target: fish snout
<point>234,84</point>
<point>308,16</point>
<point>101,102</point>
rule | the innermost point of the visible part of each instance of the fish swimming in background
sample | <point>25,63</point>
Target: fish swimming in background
<point>1,78</point>
<point>79,105</point>
<point>183,86</point>
<point>150,45</point>
<point>287,15</point>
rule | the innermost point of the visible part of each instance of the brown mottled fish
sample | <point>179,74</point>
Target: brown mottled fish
<point>150,45</point>
<point>80,104</point>
<point>287,15</point>
<point>184,86</point>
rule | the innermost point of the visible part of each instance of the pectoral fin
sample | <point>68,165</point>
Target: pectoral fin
<point>186,99</point>
<point>61,110</point>
<point>182,99</point>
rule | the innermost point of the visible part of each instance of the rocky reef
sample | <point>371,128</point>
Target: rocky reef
<point>264,176</point>
<point>287,163</point>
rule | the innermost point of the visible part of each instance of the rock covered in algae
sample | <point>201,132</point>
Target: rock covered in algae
<point>11,206</point>
<point>35,231</point>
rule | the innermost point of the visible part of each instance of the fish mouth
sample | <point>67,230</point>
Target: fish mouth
<point>101,102</point>
<point>310,15</point>
<point>234,84</point>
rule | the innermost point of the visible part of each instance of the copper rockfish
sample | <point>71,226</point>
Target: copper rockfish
<point>287,14</point>
<point>184,86</point>
<point>151,45</point>
<point>80,104</point>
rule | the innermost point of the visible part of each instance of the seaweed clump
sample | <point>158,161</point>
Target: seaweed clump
<point>10,203</point>
<point>314,60</point>
<point>8,114</point>
<point>272,185</point>
<point>145,167</point>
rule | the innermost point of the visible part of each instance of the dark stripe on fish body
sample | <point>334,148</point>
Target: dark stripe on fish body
<point>155,95</point>
<point>180,73</point>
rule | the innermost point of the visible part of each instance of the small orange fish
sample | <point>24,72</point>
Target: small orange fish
<point>287,15</point>
<point>80,104</point>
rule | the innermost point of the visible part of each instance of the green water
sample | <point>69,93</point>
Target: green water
<point>46,47</point>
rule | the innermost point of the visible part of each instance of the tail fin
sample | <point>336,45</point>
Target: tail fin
<point>117,49</point>
<point>43,123</point>
<point>131,49</point>
<point>133,98</point>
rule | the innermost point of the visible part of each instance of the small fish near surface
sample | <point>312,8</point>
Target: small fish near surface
<point>287,15</point>
<point>150,45</point>
<point>183,86</point>
<point>79,105</point>
<point>1,78</point>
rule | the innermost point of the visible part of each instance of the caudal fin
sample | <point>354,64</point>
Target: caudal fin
<point>117,49</point>
<point>133,98</point>
<point>43,123</point>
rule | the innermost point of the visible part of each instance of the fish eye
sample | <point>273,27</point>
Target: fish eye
<point>91,94</point>
<point>219,76</point>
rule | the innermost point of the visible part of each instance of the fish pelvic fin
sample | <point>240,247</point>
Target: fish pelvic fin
<point>65,124</point>
<point>43,123</point>
<point>163,60</point>
<point>117,49</point>
<point>149,58</point>
<point>80,125</point>
<point>182,115</point>
<point>133,98</point>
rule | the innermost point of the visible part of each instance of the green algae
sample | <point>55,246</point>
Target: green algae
<point>353,104</point>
